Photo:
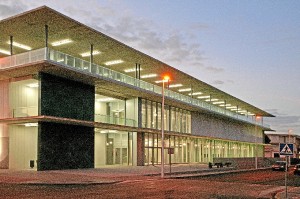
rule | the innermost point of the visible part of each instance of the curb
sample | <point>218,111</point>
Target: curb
<point>214,173</point>
<point>38,183</point>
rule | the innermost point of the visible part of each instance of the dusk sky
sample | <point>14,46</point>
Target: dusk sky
<point>249,49</point>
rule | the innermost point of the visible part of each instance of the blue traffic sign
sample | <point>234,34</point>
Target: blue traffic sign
<point>286,149</point>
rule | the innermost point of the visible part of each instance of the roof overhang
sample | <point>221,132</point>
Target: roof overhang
<point>28,28</point>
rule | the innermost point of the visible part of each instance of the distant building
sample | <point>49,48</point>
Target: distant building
<point>275,138</point>
<point>72,97</point>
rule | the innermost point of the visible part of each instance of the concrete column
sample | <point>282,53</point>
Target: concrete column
<point>11,38</point>
<point>91,56</point>
<point>4,134</point>
<point>46,36</point>
<point>140,149</point>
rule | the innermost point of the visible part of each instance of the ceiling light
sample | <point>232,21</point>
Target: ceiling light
<point>175,85</point>
<point>86,54</point>
<point>203,97</point>
<point>105,99</point>
<point>212,100</point>
<point>149,76</point>
<point>218,102</point>
<point>113,62</point>
<point>33,85</point>
<point>31,124</point>
<point>4,52</point>
<point>129,70</point>
<point>161,81</point>
<point>225,105</point>
<point>20,45</point>
<point>184,89</point>
<point>108,131</point>
<point>196,93</point>
<point>229,107</point>
<point>61,42</point>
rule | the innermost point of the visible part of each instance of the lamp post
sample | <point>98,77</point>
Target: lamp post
<point>256,159</point>
<point>166,79</point>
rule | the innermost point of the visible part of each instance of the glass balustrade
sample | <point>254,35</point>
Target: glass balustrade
<point>25,111</point>
<point>115,120</point>
<point>82,65</point>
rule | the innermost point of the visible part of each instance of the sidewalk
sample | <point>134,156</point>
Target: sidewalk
<point>105,174</point>
<point>116,174</point>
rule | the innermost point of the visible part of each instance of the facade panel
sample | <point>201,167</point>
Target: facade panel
<point>63,146</point>
<point>215,127</point>
<point>65,98</point>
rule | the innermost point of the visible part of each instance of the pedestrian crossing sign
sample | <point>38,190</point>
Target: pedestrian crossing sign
<point>286,149</point>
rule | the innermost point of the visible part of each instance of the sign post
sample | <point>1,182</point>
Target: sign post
<point>170,152</point>
<point>287,150</point>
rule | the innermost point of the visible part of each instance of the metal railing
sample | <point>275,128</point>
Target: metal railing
<point>23,58</point>
<point>70,61</point>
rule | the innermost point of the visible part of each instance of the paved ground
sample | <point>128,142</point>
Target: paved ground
<point>125,174</point>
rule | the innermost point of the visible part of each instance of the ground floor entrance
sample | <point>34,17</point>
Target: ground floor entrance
<point>46,146</point>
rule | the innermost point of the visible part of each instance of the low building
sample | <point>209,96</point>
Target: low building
<point>72,97</point>
<point>274,140</point>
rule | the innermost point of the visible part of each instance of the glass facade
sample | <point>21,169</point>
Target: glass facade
<point>195,150</point>
<point>23,98</point>
<point>175,119</point>
<point>113,147</point>
<point>115,111</point>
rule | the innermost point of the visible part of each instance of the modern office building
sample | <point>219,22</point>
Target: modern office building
<point>72,97</point>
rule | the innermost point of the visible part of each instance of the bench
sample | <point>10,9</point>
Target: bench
<point>219,164</point>
<point>227,164</point>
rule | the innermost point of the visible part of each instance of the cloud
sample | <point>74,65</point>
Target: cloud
<point>10,8</point>
<point>199,26</point>
<point>169,45</point>
<point>218,82</point>
<point>283,122</point>
<point>173,46</point>
<point>214,69</point>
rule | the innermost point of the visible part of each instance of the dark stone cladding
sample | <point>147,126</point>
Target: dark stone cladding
<point>65,98</point>
<point>60,145</point>
<point>63,146</point>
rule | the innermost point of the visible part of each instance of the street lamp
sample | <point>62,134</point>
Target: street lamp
<point>165,79</point>
<point>256,161</point>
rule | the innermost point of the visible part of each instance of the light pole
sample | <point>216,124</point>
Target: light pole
<point>166,79</point>
<point>256,159</point>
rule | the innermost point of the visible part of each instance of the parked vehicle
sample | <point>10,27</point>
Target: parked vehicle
<point>297,169</point>
<point>279,165</point>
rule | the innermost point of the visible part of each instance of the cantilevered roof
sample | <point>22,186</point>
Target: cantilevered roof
<point>28,29</point>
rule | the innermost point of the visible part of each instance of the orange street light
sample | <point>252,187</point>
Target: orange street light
<point>166,78</point>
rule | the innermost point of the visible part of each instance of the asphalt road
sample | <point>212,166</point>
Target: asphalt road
<point>256,184</point>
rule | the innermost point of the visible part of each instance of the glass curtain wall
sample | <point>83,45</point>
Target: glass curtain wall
<point>23,98</point>
<point>175,119</point>
<point>115,111</point>
<point>194,150</point>
<point>113,147</point>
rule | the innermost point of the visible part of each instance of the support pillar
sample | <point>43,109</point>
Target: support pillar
<point>46,36</point>
<point>11,44</point>
<point>91,56</point>
<point>4,134</point>
<point>136,70</point>
<point>139,77</point>
<point>140,149</point>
